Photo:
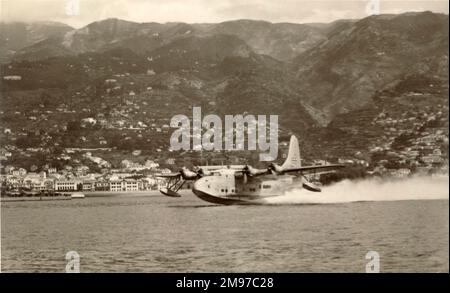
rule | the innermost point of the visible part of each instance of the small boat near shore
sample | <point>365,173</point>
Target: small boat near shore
<point>77,195</point>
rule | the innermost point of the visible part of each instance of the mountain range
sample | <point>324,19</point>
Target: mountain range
<point>282,41</point>
<point>308,74</point>
<point>16,36</point>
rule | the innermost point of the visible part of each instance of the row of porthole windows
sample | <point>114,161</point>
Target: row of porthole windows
<point>226,190</point>
<point>250,189</point>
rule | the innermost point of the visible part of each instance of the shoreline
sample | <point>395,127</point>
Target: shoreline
<point>120,193</point>
<point>67,195</point>
<point>33,198</point>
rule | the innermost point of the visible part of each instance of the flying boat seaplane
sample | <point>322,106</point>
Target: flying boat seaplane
<point>244,184</point>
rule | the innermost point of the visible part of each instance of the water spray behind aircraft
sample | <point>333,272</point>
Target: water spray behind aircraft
<point>374,189</point>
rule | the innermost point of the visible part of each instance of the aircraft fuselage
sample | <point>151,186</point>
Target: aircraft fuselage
<point>226,188</point>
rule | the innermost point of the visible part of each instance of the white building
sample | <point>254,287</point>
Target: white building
<point>69,185</point>
<point>12,77</point>
<point>124,185</point>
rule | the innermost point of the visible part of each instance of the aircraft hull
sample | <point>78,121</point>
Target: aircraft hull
<point>219,200</point>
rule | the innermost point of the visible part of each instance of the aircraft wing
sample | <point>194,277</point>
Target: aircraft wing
<point>316,169</point>
<point>169,175</point>
<point>220,167</point>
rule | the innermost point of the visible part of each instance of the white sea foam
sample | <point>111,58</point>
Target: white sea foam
<point>374,189</point>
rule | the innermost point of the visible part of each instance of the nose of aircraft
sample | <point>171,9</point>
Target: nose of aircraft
<point>199,185</point>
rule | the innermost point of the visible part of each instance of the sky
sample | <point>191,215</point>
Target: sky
<point>78,13</point>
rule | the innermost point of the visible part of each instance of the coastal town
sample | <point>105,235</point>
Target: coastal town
<point>19,181</point>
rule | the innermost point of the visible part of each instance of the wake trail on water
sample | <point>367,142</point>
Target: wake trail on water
<point>374,189</point>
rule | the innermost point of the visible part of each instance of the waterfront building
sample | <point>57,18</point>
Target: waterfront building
<point>68,185</point>
<point>124,185</point>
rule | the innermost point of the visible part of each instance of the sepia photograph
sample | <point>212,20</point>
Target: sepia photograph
<point>207,136</point>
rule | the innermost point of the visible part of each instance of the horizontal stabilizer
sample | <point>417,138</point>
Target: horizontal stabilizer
<point>316,169</point>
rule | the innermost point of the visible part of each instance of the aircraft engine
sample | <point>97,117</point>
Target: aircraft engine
<point>200,172</point>
<point>188,174</point>
<point>253,171</point>
<point>274,168</point>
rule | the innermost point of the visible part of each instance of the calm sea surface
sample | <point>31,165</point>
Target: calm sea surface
<point>158,234</point>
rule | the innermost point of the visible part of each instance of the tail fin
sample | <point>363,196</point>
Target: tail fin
<point>293,158</point>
